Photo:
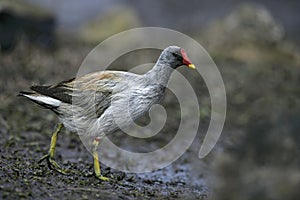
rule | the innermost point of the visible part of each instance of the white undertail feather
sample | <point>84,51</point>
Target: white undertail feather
<point>44,99</point>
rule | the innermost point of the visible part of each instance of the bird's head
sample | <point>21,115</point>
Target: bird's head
<point>176,57</point>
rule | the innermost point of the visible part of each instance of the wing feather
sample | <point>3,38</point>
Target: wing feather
<point>98,86</point>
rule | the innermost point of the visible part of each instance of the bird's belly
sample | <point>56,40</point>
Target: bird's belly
<point>125,109</point>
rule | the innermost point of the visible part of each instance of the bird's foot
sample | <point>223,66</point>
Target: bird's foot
<point>53,165</point>
<point>103,178</point>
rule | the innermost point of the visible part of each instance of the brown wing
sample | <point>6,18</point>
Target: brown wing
<point>98,86</point>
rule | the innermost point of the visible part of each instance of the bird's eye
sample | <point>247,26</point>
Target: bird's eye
<point>175,55</point>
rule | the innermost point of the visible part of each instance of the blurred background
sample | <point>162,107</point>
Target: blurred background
<point>255,45</point>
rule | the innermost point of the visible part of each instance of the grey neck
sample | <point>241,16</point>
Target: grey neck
<point>160,73</point>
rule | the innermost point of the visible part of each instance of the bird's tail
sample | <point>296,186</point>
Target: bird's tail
<point>43,100</point>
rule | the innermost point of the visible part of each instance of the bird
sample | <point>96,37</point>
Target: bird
<point>94,104</point>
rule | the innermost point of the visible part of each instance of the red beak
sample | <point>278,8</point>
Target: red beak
<point>186,61</point>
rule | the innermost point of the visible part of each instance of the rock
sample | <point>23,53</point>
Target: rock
<point>248,23</point>
<point>105,25</point>
<point>21,20</point>
<point>251,35</point>
<point>260,152</point>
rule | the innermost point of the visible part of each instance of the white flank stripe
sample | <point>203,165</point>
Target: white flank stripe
<point>44,99</point>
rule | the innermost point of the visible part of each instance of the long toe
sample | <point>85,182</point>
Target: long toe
<point>103,178</point>
<point>55,166</point>
<point>47,156</point>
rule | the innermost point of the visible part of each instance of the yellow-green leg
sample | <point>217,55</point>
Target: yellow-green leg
<point>96,162</point>
<point>51,163</point>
